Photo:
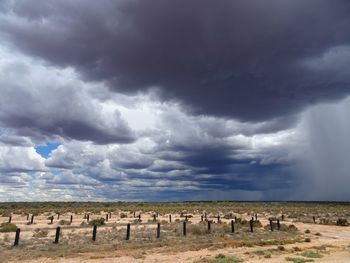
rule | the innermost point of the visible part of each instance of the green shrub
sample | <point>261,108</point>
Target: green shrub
<point>281,248</point>
<point>342,222</point>
<point>64,223</point>
<point>122,215</point>
<point>297,249</point>
<point>97,222</point>
<point>311,255</point>
<point>8,227</point>
<point>220,258</point>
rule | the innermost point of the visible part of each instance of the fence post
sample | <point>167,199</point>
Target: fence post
<point>232,227</point>
<point>314,218</point>
<point>169,218</point>
<point>184,228</point>
<point>158,230</point>
<point>110,215</point>
<point>10,219</point>
<point>209,226</point>
<point>106,217</point>
<point>32,220</point>
<point>94,231</point>
<point>154,217</point>
<point>18,231</point>
<point>235,219</point>
<point>201,218</point>
<point>88,217</point>
<point>251,225</point>
<point>271,225</point>
<point>282,217</point>
<point>278,224</point>
<point>71,218</point>
<point>140,217</point>
<point>57,237</point>
<point>186,218</point>
<point>127,231</point>
<point>218,219</point>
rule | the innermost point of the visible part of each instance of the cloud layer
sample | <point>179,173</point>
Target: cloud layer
<point>158,99</point>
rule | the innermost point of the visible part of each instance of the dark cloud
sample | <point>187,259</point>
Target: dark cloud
<point>47,104</point>
<point>229,58</point>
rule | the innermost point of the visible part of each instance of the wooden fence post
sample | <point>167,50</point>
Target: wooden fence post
<point>218,219</point>
<point>184,228</point>
<point>10,219</point>
<point>278,224</point>
<point>127,231</point>
<point>169,218</point>
<point>251,225</point>
<point>158,230</point>
<point>232,227</point>
<point>18,231</point>
<point>271,225</point>
<point>71,218</point>
<point>154,217</point>
<point>57,237</point>
<point>209,226</point>
<point>32,220</point>
<point>106,217</point>
<point>88,217</point>
<point>51,220</point>
<point>314,219</point>
<point>94,232</point>
<point>201,218</point>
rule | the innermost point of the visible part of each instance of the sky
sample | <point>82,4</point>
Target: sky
<point>165,100</point>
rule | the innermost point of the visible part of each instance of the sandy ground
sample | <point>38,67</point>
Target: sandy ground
<point>334,239</point>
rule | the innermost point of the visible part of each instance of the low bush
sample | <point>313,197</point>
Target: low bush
<point>342,222</point>
<point>97,222</point>
<point>299,260</point>
<point>64,223</point>
<point>8,227</point>
<point>311,255</point>
<point>122,215</point>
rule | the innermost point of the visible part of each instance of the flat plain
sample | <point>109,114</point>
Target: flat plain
<point>214,232</point>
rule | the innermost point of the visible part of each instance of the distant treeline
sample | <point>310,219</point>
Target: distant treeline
<point>275,207</point>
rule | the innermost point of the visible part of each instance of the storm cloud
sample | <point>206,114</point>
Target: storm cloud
<point>229,58</point>
<point>174,100</point>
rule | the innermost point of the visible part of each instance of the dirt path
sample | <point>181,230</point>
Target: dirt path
<point>332,242</point>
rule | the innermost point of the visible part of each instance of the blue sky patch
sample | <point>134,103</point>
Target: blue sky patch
<point>45,150</point>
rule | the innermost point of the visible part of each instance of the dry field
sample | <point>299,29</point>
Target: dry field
<point>309,232</point>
